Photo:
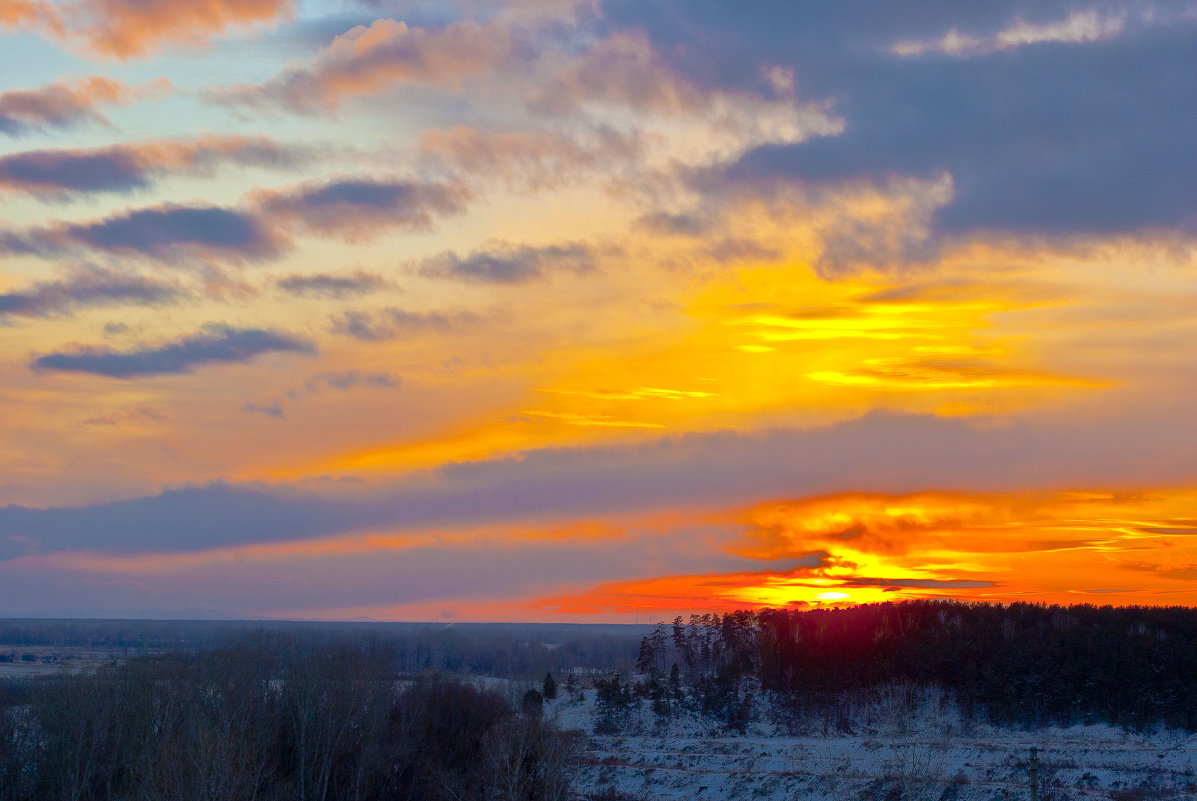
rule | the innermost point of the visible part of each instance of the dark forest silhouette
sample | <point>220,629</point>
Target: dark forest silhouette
<point>1018,664</point>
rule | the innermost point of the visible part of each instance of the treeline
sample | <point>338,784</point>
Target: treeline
<point>513,650</point>
<point>1017,664</point>
<point>268,719</point>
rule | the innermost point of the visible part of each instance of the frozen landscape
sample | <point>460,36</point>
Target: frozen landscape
<point>887,751</point>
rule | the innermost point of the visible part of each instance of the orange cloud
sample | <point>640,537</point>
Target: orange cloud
<point>1063,547</point>
<point>19,14</point>
<point>763,346</point>
<point>69,101</point>
<point>1067,547</point>
<point>133,28</point>
<point>367,60</point>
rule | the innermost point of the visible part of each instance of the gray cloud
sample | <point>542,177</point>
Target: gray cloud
<point>88,286</point>
<point>156,231</point>
<point>347,208</point>
<point>354,208</point>
<point>379,325</point>
<point>166,233</point>
<point>332,285</point>
<point>825,44</point>
<point>1051,137</point>
<point>56,174</point>
<point>215,344</point>
<point>503,263</point>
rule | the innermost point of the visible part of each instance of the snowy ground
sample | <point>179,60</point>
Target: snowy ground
<point>925,753</point>
<point>21,661</point>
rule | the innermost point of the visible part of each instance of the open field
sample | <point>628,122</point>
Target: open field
<point>19,661</point>
<point>930,756</point>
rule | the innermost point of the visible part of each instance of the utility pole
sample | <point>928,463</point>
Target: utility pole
<point>1034,774</point>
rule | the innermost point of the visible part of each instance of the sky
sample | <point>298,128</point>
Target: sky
<point>594,310</point>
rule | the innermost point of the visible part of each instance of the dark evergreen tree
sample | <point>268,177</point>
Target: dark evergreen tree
<point>533,703</point>
<point>613,702</point>
<point>1022,664</point>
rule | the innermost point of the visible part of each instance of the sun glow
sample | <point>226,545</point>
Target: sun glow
<point>864,548</point>
<point>768,345</point>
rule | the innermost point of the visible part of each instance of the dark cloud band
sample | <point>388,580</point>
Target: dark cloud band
<point>877,453</point>
<point>216,344</point>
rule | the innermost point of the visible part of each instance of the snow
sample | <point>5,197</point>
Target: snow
<point>891,749</point>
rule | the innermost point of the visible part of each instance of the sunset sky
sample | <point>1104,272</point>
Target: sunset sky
<point>594,311</point>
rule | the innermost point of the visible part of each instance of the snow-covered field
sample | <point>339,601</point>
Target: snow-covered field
<point>893,752</point>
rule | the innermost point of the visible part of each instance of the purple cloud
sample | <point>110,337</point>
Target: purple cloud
<point>57,174</point>
<point>332,285</point>
<point>87,286</point>
<point>68,102</point>
<point>502,263</point>
<point>1053,136</point>
<point>379,325</point>
<point>215,344</point>
<point>355,208</point>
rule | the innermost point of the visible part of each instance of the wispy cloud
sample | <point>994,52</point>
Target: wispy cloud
<point>69,102</point>
<point>134,28</point>
<point>270,408</point>
<point>505,263</point>
<point>332,285</point>
<point>1079,26</point>
<point>355,208</point>
<point>623,69</point>
<point>531,160</point>
<point>28,14</point>
<point>137,416</point>
<point>367,60</point>
<point>379,325</point>
<point>346,380</point>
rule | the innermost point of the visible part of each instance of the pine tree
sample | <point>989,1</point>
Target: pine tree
<point>550,687</point>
